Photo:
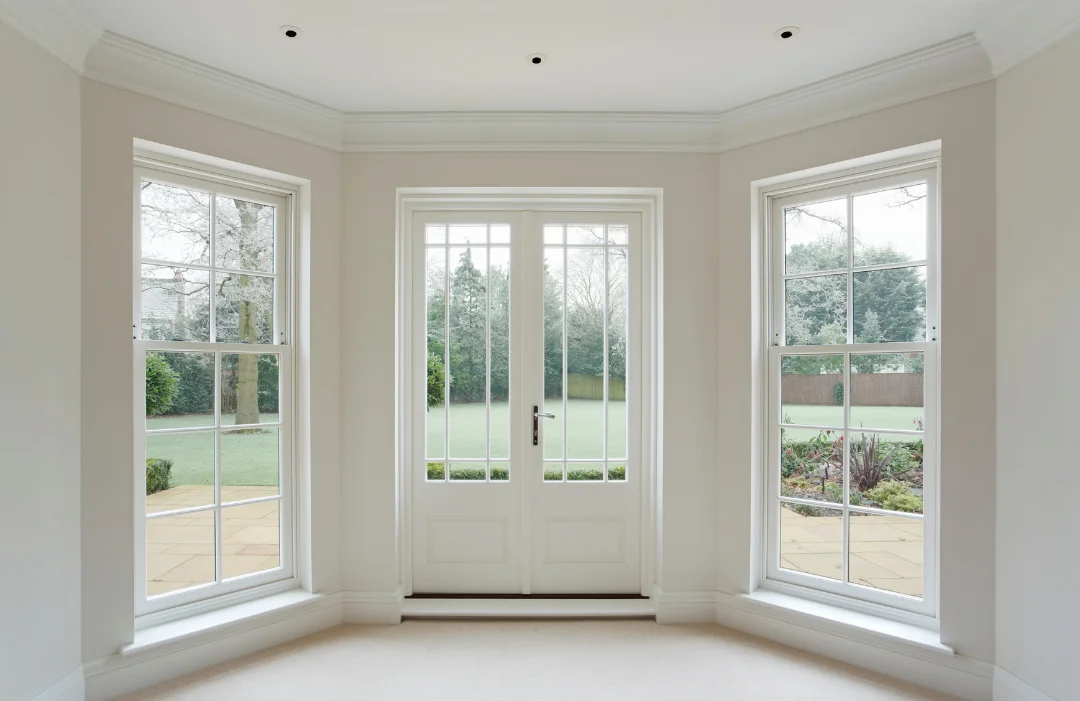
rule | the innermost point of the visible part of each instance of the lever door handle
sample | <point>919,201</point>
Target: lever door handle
<point>537,414</point>
<point>543,415</point>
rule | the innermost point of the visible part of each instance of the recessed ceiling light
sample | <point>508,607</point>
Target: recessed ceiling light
<point>786,32</point>
<point>291,32</point>
<point>536,59</point>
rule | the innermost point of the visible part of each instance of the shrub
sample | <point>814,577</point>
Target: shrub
<point>499,473</point>
<point>585,474</point>
<point>616,473</point>
<point>162,384</point>
<point>553,475</point>
<point>435,471</point>
<point>887,489</point>
<point>195,394</point>
<point>838,394</point>
<point>158,472</point>
<point>436,381</point>
<point>904,502</point>
<point>834,492</point>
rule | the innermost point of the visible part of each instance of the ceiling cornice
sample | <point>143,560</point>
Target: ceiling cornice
<point>1019,29</point>
<point>61,29</point>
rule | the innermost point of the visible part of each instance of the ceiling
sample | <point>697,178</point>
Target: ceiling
<point>603,55</point>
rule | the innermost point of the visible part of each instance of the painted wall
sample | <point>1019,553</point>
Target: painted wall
<point>691,249</point>
<point>964,121</point>
<point>1038,250</point>
<point>39,368</point>
<point>112,119</point>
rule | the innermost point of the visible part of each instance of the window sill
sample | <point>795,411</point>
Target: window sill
<point>199,628</point>
<point>855,625</point>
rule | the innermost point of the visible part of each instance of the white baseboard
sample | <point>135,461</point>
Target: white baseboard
<point>119,674</point>
<point>69,688</point>
<point>685,607</point>
<point>940,671</point>
<point>371,607</point>
<point>1009,687</point>
<point>528,608</point>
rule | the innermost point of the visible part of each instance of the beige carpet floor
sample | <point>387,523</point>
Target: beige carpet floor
<point>533,661</point>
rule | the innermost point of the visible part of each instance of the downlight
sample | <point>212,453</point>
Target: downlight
<point>290,32</point>
<point>785,33</point>
<point>536,59</point>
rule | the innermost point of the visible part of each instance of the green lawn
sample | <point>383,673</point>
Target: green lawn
<point>246,458</point>
<point>864,417</point>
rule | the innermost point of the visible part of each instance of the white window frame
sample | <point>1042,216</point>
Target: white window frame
<point>171,606</point>
<point>849,183</point>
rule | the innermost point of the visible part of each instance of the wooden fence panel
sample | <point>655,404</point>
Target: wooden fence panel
<point>877,389</point>
<point>592,387</point>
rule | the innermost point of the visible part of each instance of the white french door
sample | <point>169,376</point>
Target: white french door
<point>526,371</point>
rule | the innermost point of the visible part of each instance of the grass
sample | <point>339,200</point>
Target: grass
<point>865,418</point>
<point>247,458</point>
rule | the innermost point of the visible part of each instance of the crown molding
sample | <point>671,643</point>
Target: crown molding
<point>56,26</point>
<point>1019,29</point>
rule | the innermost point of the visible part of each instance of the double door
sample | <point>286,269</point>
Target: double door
<point>525,424</point>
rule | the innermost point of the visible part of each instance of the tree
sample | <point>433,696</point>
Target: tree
<point>162,384</point>
<point>436,381</point>
<point>468,331</point>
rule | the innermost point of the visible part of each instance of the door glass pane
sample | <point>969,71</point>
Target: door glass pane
<point>175,304</point>
<point>887,391</point>
<point>250,538</point>
<point>245,308</point>
<point>179,552</point>
<point>553,234</point>
<point>468,351</point>
<point>468,471</point>
<point>245,235</point>
<point>816,310</point>
<point>815,237</point>
<point>617,323</point>
<point>554,275</point>
<point>499,417</point>
<point>500,233</point>
<point>249,388</point>
<point>468,233</point>
<point>585,235</point>
<point>616,472</point>
<point>618,234</point>
<point>179,471</point>
<point>585,472</point>
<point>436,348</point>
<point>249,463</point>
<point>890,226</point>
<point>890,305</point>
<point>436,471</point>
<point>886,552</point>
<point>175,224</point>
<point>886,472</point>
<point>812,390</point>
<point>812,540</point>
<point>435,233</point>
<point>553,471</point>
<point>179,390</point>
<point>500,472</point>
<point>585,292</point>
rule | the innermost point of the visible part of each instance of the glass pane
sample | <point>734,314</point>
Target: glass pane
<point>585,287</point>
<point>245,308</point>
<point>618,235</point>
<point>175,304</point>
<point>179,471</point>
<point>616,472</point>
<point>553,234</point>
<point>890,305</point>
<point>436,233</point>
<point>500,472</point>
<point>436,471</point>
<point>500,233</point>
<point>617,334</point>
<point>175,224</point>
<point>179,552</point>
<point>585,472</point>
<point>886,552</point>
<point>552,429</point>
<point>812,390</point>
<point>815,311</point>
<point>250,534</point>
<point>468,471</point>
<point>249,388</point>
<point>812,540</point>
<point>436,347</point>
<point>890,226</point>
<point>468,352</point>
<point>245,235</point>
<point>468,233</point>
<point>812,467</point>
<point>499,280</point>
<point>553,472</point>
<point>815,237</point>
<point>249,464</point>
<point>179,390</point>
<point>887,391</point>
<point>585,235</point>
<point>886,472</point>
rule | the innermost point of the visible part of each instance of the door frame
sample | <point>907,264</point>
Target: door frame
<point>648,203</point>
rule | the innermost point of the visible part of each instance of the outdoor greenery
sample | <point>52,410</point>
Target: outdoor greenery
<point>436,472</point>
<point>158,473</point>
<point>161,385</point>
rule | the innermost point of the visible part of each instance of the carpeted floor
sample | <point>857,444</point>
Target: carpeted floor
<point>533,661</point>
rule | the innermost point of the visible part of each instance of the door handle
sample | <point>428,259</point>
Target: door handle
<point>537,415</point>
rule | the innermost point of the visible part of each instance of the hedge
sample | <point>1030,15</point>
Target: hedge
<point>158,472</point>
<point>435,472</point>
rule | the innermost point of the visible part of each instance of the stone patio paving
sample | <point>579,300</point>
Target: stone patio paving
<point>886,551</point>
<point>180,549</point>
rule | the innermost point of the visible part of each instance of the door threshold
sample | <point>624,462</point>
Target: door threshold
<point>562,608</point>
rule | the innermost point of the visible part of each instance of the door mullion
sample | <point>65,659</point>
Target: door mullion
<point>523,262</point>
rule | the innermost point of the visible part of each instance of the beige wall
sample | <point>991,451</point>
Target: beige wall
<point>691,249</point>
<point>112,119</point>
<point>1038,612</point>
<point>964,121</point>
<point>39,368</point>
